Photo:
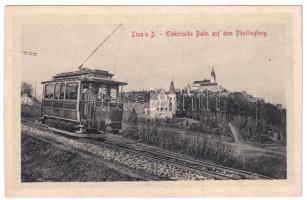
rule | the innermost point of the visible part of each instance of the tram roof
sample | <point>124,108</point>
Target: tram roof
<point>86,74</point>
<point>84,71</point>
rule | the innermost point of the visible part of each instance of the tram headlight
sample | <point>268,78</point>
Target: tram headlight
<point>108,121</point>
<point>109,129</point>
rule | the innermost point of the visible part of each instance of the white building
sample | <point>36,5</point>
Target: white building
<point>188,90</point>
<point>27,100</point>
<point>204,85</point>
<point>162,103</point>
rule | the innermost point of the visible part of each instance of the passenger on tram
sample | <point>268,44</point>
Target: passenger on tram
<point>89,95</point>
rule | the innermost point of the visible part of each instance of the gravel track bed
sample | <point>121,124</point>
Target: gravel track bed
<point>131,160</point>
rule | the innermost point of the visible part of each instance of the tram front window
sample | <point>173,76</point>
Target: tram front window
<point>102,92</point>
<point>113,93</point>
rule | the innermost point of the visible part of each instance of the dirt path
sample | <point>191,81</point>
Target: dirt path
<point>234,132</point>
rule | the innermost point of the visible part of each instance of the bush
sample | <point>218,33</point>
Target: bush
<point>200,147</point>
<point>33,111</point>
<point>132,129</point>
<point>220,152</point>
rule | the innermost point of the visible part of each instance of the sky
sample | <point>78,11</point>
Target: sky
<point>253,64</point>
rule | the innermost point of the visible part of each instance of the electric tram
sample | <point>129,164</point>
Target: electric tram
<point>83,103</point>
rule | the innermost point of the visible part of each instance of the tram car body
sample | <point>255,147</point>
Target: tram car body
<point>83,103</point>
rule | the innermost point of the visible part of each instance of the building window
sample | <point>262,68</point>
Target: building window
<point>49,89</point>
<point>71,90</point>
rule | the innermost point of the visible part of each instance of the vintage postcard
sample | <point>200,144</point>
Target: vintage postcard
<point>153,101</point>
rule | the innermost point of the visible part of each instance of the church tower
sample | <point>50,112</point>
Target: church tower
<point>172,88</point>
<point>213,76</point>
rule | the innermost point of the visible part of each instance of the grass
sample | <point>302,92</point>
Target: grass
<point>199,147</point>
<point>220,152</point>
<point>42,161</point>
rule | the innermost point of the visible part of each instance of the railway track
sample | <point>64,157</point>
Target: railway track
<point>217,170</point>
<point>211,170</point>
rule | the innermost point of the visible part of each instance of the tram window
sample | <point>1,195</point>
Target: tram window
<point>71,90</point>
<point>103,91</point>
<point>62,92</point>
<point>84,91</point>
<point>57,91</point>
<point>113,93</point>
<point>49,89</point>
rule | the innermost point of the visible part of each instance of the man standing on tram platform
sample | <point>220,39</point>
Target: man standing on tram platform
<point>89,101</point>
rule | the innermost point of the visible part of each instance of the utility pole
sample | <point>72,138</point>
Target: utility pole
<point>35,89</point>
<point>256,115</point>
<point>219,101</point>
<point>207,99</point>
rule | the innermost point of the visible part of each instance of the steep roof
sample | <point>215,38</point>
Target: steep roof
<point>213,73</point>
<point>172,88</point>
<point>207,84</point>
<point>203,81</point>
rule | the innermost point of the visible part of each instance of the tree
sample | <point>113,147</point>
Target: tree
<point>133,119</point>
<point>250,126</point>
<point>132,128</point>
<point>26,88</point>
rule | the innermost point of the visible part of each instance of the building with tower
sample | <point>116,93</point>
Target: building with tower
<point>188,90</point>
<point>207,84</point>
<point>162,103</point>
